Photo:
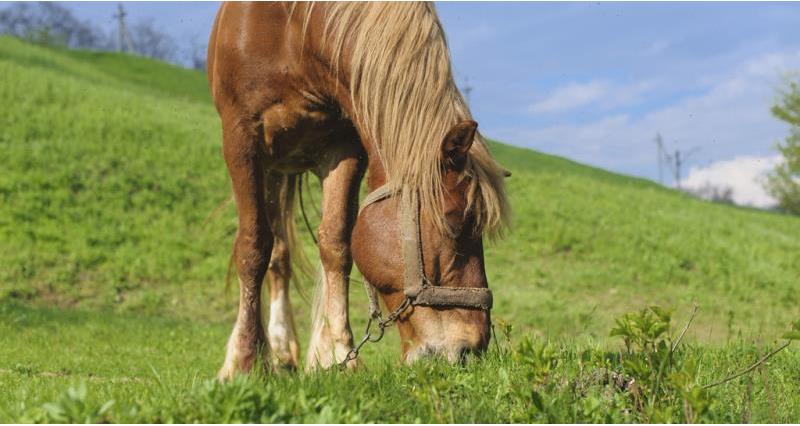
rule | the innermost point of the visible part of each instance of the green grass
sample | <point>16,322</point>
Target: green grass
<point>115,232</point>
<point>67,366</point>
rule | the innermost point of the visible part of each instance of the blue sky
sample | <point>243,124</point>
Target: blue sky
<point>595,82</point>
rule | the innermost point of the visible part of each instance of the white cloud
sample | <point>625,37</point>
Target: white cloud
<point>730,117</point>
<point>571,96</point>
<point>597,93</point>
<point>743,174</point>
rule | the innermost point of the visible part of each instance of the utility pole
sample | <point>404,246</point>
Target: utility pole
<point>467,89</point>
<point>661,157</point>
<point>123,37</point>
<point>680,160</point>
<point>675,162</point>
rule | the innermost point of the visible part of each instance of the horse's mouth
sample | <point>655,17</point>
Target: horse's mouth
<point>454,354</point>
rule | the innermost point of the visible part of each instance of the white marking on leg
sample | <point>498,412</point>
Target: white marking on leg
<point>282,336</point>
<point>330,335</point>
<point>232,355</point>
<point>237,356</point>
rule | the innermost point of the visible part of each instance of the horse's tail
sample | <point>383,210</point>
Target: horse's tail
<point>288,194</point>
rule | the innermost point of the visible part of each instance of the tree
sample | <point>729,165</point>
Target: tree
<point>196,54</point>
<point>717,193</point>
<point>783,182</point>
<point>51,24</point>
<point>151,42</point>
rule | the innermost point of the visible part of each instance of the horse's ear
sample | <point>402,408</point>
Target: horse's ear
<point>458,141</point>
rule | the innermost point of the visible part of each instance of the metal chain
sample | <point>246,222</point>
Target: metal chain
<point>383,324</point>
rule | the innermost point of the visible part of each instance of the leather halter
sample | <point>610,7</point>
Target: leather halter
<point>418,288</point>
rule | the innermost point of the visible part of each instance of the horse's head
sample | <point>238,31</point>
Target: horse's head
<point>453,320</point>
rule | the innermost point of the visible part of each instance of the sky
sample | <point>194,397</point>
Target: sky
<point>595,82</point>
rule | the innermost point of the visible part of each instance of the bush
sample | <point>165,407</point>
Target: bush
<point>783,183</point>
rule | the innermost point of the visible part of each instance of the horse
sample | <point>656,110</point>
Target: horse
<point>342,90</point>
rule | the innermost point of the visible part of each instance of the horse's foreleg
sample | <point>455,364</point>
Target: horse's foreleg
<point>252,247</point>
<point>331,337</point>
<point>281,329</point>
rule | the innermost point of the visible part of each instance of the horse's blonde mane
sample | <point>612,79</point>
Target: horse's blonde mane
<point>405,100</point>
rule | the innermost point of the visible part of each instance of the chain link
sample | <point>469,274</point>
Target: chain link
<point>375,315</point>
<point>383,324</point>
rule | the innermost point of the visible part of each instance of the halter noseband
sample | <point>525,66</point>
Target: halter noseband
<point>418,288</point>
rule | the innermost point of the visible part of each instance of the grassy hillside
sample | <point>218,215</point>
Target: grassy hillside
<point>116,227</point>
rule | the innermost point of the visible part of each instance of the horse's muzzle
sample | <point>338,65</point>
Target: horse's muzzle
<point>453,354</point>
<point>455,343</point>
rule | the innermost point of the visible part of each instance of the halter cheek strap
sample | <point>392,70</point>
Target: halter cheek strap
<point>417,287</point>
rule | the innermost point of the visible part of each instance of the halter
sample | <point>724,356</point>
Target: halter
<point>418,288</point>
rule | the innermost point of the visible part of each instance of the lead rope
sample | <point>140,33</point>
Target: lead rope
<point>303,210</point>
<point>375,313</point>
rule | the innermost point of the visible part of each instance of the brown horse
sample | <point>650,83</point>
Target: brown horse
<point>339,89</point>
